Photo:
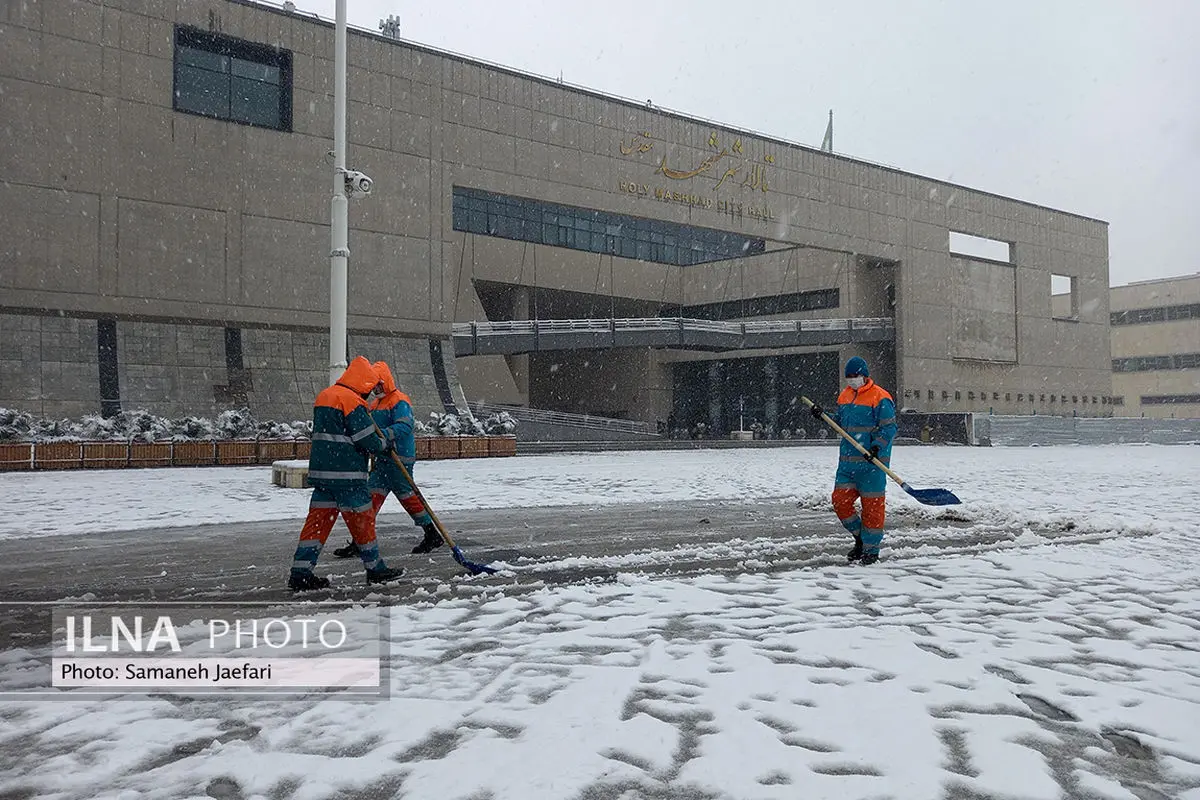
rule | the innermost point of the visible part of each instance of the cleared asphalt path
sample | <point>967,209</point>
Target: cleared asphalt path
<point>543,546</point>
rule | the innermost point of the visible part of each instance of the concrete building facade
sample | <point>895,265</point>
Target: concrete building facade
<point>165,188</point>
<point>1156,348</point>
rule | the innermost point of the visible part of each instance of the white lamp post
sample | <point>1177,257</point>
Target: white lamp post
<point>339,233</point>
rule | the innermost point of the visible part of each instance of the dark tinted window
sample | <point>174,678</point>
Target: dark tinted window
<point>1142,316</point>
<point>232,79</point>
<point>1170,399</point>
<point>1154,363</point>
<point>764,306</point>
<point>491,214</point>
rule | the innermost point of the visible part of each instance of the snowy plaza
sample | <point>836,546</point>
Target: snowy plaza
<point>1038,641</point>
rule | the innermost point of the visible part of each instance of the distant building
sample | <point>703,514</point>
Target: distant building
<point>1156,348</point>
<point>165,195</point>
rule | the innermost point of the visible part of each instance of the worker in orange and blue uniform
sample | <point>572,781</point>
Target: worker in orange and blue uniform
<point>343,435</point>
<point>393,413</point>
<point>868,413</point>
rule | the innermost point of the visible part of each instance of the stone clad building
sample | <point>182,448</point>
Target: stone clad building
<point>165,190</point>
<point>1156,348</point>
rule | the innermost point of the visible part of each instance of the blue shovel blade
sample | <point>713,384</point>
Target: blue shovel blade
<point>472,567</point>
<point>934,497</point>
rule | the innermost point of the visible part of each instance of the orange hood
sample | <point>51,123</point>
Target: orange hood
<point>384,373</point>
<point>391,394</point>
<point>359,377</point>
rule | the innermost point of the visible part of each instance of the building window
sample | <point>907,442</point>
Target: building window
<point>1156,363</point>
<point>232,79</point>
<point>793,303</point>
<point>1119,400</point>
<point>508,217</point>
<point>1187,361</point>
<point>1170,399</point>
<point>1143,316</point>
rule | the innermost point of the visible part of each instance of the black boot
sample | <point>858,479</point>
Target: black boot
<point>349,551</point>
<point>306,581</point>
<point>857,552</point>
<point>383,575</point>
<point>869,558</point>
<point>432,540</point>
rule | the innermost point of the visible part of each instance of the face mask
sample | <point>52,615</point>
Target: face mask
<point>856,382</point>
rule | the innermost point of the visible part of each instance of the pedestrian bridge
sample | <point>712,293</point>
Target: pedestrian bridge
<point>678,333</point>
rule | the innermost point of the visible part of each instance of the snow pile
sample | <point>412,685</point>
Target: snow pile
<point>142,426</point>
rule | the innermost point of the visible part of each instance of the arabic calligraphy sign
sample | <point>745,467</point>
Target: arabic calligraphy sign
<point>754,172</point>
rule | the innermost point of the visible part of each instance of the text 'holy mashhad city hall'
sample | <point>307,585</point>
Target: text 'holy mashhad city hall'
<point>166,242</point>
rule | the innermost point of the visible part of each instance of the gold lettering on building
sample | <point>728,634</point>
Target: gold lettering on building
<point>640,143</point>
<point>755,174</point>
<point>734,209</point>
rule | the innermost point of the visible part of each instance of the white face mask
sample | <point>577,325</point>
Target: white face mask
<point>856,382</point>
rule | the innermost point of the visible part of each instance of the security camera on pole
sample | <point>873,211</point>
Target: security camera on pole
<point>346,184</point>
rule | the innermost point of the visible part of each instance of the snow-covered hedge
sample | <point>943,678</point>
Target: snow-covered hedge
<point>498,424</point>
<point>142,426</point>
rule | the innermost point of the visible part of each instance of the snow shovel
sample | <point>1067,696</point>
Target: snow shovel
<point>930,497</point>
<point>471,566</point>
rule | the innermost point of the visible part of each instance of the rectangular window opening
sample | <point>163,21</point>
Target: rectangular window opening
<point>1064,297</point>
<point>966,244</point>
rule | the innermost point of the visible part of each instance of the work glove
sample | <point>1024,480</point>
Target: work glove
<point>873,453</point>
<point>817,411</point>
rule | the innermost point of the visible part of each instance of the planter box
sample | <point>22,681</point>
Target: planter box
<point>149,454</point>
<point>105,455</point>
<point>502,445</point>
<point>289,475</point>
<point>244,451</point>
<point>270,451</point>
<point>443,447</point>
<point>303,448</point>
<point>18,455</point>
<point>473,447</point>
<point>193,454</point>
<point>57,455</point>
<point>422,450</point>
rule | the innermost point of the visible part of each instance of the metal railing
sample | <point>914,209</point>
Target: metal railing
<point>536,415</point>
<point>526,336</point>
<point>671,324</point>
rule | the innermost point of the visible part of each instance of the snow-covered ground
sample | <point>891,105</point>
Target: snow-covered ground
<point>1032,670</point>
<point>1117,488</point>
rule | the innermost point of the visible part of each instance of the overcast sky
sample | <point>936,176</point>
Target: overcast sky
<point>1091,106</point>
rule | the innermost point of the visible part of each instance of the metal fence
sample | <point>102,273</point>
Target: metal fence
<point>525,416</point>
<point>1048,430</point>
